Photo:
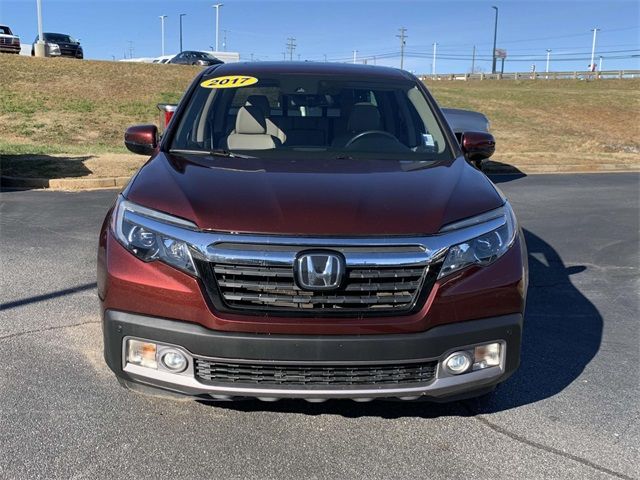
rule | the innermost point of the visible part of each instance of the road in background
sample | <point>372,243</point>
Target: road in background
<point>571,410</point>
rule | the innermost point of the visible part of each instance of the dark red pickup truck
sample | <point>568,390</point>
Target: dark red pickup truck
<point>315,231</point>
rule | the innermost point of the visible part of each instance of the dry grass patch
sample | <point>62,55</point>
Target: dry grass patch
<point>553,120</point>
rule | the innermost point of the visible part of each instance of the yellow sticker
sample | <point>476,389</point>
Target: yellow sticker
<point>230,81</point>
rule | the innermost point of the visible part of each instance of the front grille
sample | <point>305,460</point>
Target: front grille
<point>216,372</point>
<point>273,289</point>
<point>260,279</point>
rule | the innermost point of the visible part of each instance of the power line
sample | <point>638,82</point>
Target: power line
<point>524,40</point>
<point>466,56</point>
<point>291,46</point>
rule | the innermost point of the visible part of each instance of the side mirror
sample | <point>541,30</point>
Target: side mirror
<point>478,146</point>
<point>141,139</point>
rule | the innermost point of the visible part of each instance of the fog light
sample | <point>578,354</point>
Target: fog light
<point>486,356</point>
<point>457,363</point>
<point>142,353</point>
<point>174,361</point>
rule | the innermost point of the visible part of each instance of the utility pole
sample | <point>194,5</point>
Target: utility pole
<point>600,66</point>
<point>325,58</point>
<point>548,57</point>
<point>252,57</point>
<point>403,42</point>
<point>284,55</point>
<point>291,46</point>
<point>495,39</point>
<point>40,49</point>
<point>181,15</point>
<point>433,65</point>
<point>224,41</point>
<point>473,60</point>
<point>217,7</point>
<point>130,48</point>
<point>355,53</point>
<point>162,17</point>
<point>593,49</point>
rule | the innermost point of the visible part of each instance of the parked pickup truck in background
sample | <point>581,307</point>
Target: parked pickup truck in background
<point>9,43</point>
<point>314,231</point>
<point>462,121</point>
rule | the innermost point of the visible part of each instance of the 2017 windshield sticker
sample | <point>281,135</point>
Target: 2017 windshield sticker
<point>229,81</point>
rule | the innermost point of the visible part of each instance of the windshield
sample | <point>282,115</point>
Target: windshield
<point>59,38</point>
<point>323,116</point>
<point>206,55</point>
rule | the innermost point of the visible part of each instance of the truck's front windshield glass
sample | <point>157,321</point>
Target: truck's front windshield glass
<point>324,116</point>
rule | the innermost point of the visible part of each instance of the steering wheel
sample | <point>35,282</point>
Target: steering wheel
<point>358,136</point>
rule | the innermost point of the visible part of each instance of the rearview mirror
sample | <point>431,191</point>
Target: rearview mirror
<point>478,146</point>
<point>141,139</point>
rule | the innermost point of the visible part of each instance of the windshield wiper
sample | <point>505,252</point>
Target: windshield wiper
<point>227,153</point>
<point>213,153</point>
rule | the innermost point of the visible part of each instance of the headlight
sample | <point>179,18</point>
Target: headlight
<point>484,249</point>
<point>147,244</point>
<point>54,48</point>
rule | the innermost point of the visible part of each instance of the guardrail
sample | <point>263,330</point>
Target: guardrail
<point>576,75</point>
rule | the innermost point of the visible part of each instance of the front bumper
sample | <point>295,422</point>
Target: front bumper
<point>9,48</point>
<point>313,350</point>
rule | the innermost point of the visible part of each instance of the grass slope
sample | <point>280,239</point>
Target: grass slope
<point>546,122</point>
<point>65,106</point>
<point>57,105</point>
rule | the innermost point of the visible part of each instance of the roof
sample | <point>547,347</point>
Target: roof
<point>317,68</point>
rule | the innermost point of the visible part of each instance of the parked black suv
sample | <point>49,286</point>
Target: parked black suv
<point>189,57</point>
<point>60,45</point>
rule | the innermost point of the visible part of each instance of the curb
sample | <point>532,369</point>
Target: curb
<point>64,183</point>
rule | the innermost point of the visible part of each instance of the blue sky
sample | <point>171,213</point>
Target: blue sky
<point>336,28</point>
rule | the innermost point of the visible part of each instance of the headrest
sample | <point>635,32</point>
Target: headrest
<point>250,120</point>
<point>364,116</point>
<point>260,101</point>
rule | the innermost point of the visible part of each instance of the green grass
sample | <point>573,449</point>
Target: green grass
<point>68,106</point>
<point>7,148</point>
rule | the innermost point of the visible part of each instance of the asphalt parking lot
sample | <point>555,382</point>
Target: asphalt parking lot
<point>571,411</point>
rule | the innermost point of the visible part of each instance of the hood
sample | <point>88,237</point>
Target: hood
<point>311,197</point>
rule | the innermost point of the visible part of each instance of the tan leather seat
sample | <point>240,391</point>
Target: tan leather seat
<point>251,131</point>
<point>262,102</point>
